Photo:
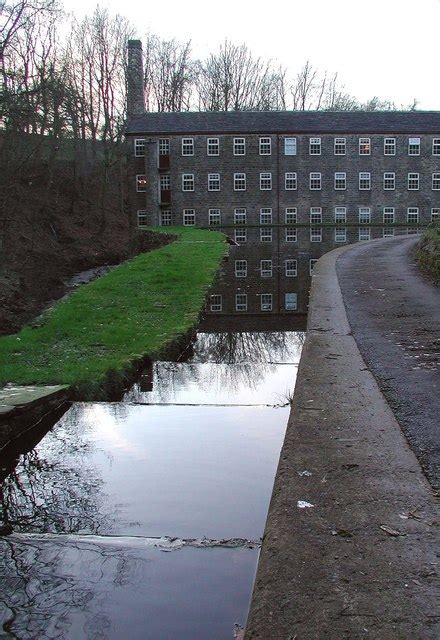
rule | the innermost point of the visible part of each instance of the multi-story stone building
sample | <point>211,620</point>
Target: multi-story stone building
<point>282,171</point>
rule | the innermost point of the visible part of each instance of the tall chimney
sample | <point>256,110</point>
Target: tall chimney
<point>135,79</point>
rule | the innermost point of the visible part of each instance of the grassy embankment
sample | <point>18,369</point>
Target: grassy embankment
<point>428,250</point>
<point>96,336</point>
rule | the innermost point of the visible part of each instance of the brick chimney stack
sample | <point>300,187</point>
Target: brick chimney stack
<point>135,79</point>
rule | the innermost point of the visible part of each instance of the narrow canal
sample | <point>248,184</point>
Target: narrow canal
<point>143,518</point>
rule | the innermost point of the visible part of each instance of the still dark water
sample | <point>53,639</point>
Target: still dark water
<point>142,518</point>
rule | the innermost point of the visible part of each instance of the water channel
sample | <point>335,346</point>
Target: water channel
<point>143,518</point>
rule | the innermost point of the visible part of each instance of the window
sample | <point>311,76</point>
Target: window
<point>315,234</point>
<point>290,215</point>
<point>187,146</point>
<point>142,217</point>
<point>189,217</point>
<point>315,146</point>
<point>413,231</point>
<point>291,234</point>
<point>436,147</point>
<point>266,268</point>
<point>213,146</point>
<point>364,146</point>
<point>216,302</point>
<point>435,214</point>
<point>265,181</point>
<point>290,146</point>
<point>187,182</point>
<point>413,181</point>
<point>312,263</point>
<point>340,180</point>
<point>290,181</point>
<point>164,182</point>
<point>315,181</point>
<point>241,301</point>
<point>364,181</point>
<point>414,146</point>
<point>388,215</point>
<point>412,214</point>
<point>265,235</point>
<point>240,236</point>
<point>165,219</point>
<point>139,147</point>
<point>389,147</point>
<point>340,214</point>
<point>340,234</point>
<point>164,147</point>
<point>266,302</point>
<point>290,301</point>
<point>239,146</point>
<point>315,215</point>
<point>239,216</point>
<point>141,182</point>
<point>387,232</point>
<point>340,146</point>
<point>213,182</point>
<point>291,268</point>
<point>265,147</point>
<point>436,181</point>
<point>364,215</point>
<point>364,233</point>
<point>266,216</point>
<point>239,182</point>
<point>241,268</point>
<point>214,217</point>
<point>389,181</point>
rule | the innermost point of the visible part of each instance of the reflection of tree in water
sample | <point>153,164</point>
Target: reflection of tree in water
<point>52,488</point>
<point>46,584</point>
<point>237,359</point>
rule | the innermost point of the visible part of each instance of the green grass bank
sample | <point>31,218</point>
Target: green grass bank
<point>96,336</point>
<point>428,250</point>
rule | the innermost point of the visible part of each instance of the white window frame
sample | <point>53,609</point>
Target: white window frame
<point>290,301</point>
<point>240,215</point>
<point>364,233</point>
<point>215,302</point>
<point>340,234</point>
<point>388,232</point>
<point>315,234</point>
<point>266,181</point>
<point>314,146</point>
<point>164,146</point>
<point>315,181</point>
<point>142,217</point>
<point>340,183</point>
<point>436,181</point>
<point>291,267</point>
<point>290,147</point>
<point>389,215</point>
<point>189,217</point>
<point>187,146</point>
<point>312,262</point>
<point>389,146</point>
<point>241,301</point>
<point>241,268</point>
<point>239,146</point>
<point>340,214</point>
<point>435,214</point>
<point>340,146</point>
<point>213,182</point>
<point>364,181</point>
<point>266,268</point>
<point>188,182</point>
<point>265,234</point>
<point>290,215</point>
<point>214,217</point>
<point>413,181</point>
<point>165,182</point>
<point>266,302</point>
<point>414,146</point>
<point>412,215</point>
<point>290,181</point>
<point>364,146</point>
<point>212,146</point>
<point>436,146</point>
<point>389,181</point>
<point>266,215</point>
<point>240,235</point>
<point>139,147</point>
<point>364,215</point>
<point>291,234</point>
<point>165,219</point>
<point>265,146</point>
<point>315,215</point>
<point>239,181</point>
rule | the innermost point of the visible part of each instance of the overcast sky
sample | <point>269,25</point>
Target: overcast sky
<point>388,48</point>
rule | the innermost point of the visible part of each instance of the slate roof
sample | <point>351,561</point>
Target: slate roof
<point>232,122</point>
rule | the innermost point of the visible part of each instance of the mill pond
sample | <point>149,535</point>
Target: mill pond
<point>143,518</point>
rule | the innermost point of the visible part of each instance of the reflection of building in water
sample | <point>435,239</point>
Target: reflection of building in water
<point>271,270</point>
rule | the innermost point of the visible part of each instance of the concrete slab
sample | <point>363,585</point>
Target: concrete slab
<point>350,548</point>
<point>14,397</point>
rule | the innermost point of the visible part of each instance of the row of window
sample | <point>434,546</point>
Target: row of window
<point>413,146</point>
<point>388,181</point>
<point>266,302</point>
<point>291,215</point>
<point>290,268</point>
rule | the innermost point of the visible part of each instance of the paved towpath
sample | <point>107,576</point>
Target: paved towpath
<point>394,314</point>
<point>351,545</point>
